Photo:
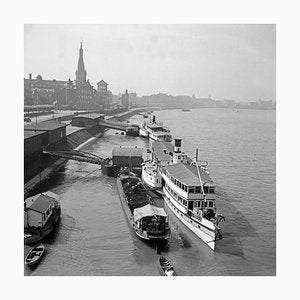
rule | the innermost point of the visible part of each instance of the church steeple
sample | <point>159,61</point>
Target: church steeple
<point>80,72</point>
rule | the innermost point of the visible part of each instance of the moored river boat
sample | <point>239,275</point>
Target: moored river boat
<point>155,131</point>
<point>35,255</point>
<point>148,220</point>
<point>189,193</point>
<point>187,188</point>
<point>165,267</point>
<point>42,214</point>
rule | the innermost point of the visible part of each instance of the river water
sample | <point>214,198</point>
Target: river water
<point>94,237</point>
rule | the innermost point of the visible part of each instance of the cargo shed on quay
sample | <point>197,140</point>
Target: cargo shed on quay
<point>33,142</point>
<point>56,132</point>
<point>39,136</point>
<point>87,121</point>
<point>124,157</point>
<point>127,157</point>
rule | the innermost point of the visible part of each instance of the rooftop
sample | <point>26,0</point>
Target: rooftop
<point>188,175</point>
<point>41,203</point>
<point>46,82</point>
<point>28,134</point>
<point>126,151</point>
<point>102,82</point>
<point>45,126</point>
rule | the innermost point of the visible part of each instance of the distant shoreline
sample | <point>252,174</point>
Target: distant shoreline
<point>232,108</point>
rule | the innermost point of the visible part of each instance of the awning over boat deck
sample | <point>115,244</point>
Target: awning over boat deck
<point>147,211</point>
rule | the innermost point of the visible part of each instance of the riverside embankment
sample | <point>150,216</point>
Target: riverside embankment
<point>75,139</point>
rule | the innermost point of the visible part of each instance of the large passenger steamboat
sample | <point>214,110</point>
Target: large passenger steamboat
<point>149,221</point>
<point>190,193</point>
<point>188,190</point>
<point>161,155</point>
<point>155,131</point>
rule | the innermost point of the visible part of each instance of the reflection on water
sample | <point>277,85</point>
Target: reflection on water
<point>94,237</point>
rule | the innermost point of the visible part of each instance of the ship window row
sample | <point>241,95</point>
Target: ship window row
<point>203,204</point>
<point>176,196</point>
<point>198,190</point>
<point>192,189</point>
<point>199,203</point>
<point>179,184</point>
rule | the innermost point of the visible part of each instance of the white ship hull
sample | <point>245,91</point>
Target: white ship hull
<point>153,181</point>
<point>143,133</point>
<point>206,232</point>
<point>160,136</point>
<point>155,137</point>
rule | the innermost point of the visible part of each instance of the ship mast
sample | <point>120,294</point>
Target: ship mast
<point>201,183</point>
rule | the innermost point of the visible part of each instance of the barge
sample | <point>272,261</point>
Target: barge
<point>148,220</point>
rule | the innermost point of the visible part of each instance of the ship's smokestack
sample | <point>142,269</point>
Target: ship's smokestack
<point>196,154</point>
<point>177,148</point>
<point>30,76</point>
<point>153,119</point>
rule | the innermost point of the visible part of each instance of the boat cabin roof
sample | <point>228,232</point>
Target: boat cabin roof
<point>147,211</point>
<point>188,175</point>
<point>162,149</point>
<point>41,203</point>
<point>154,126</point>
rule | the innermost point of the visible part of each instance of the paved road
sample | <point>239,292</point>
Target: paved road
<point>57,114</point>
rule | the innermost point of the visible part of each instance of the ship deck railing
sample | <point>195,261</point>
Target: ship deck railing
<point>201,217</point>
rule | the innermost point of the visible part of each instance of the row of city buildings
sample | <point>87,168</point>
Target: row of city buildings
<point>81,95</point>
<point>169,101</point>
<point>76,94</point>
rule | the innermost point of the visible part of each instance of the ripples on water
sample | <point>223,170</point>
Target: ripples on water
<point>94,237</point>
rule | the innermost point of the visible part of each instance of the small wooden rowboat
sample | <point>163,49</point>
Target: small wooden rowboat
<point>35,255</point>
<point>165,267</point>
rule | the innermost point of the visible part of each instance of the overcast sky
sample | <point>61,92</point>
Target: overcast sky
<point>227,61</point>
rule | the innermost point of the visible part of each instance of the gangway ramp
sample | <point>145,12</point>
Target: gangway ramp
<point>113,125</point>
<point>77,155</point>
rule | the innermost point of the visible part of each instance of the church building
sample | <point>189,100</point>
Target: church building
<point>80,93</point>
<point>75,94</point>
